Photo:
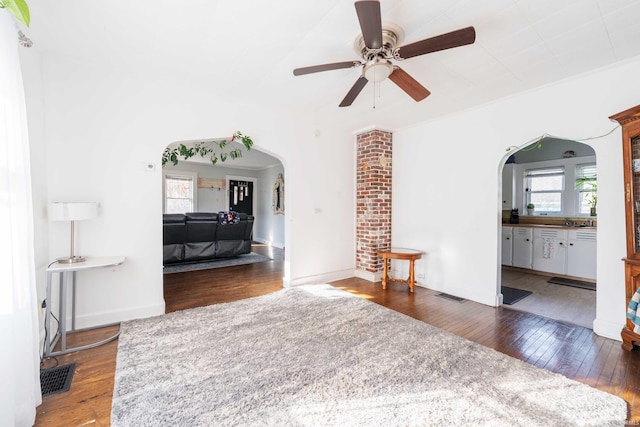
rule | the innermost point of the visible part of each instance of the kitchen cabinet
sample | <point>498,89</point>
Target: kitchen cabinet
<point>507,245</point>
<point>582,254</point>
<point>507,187</point>
<point>522,247</point>
<point>550,250</point>
<point>630,123</point>
<point>570,252</point>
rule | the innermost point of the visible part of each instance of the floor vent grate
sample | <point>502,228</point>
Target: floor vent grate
<point>451,297</point>
<point>56,380</point>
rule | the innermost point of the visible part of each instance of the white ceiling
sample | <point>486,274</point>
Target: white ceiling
<point>248,49</point>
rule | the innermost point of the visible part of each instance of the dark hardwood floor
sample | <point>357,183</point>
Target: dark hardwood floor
<point>570,350</point>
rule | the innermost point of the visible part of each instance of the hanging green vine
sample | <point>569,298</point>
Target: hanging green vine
<point>214,149</point>
<point>19,9</point>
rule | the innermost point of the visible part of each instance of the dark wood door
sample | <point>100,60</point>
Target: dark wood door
<point>241,196</point>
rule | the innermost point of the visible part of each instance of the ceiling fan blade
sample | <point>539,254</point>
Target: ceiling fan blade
<point>370,22</point>
<point>456,38</point>
<point>354,91</point>
<point>326,67</point>
<point>409,84</point>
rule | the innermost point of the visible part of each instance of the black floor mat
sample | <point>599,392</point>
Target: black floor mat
<point>571,282</point>
<point>513,295</point>
<point>451,297</point>
<point>56,380</point>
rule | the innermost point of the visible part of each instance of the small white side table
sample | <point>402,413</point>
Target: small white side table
<point>64,271</point>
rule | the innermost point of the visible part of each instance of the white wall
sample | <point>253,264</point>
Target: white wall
<point>447,192</point>
<point>104,125</point>
<point>271,229</point>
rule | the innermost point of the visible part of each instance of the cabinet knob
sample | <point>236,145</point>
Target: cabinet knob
<point>527,240</point>
<point>570,244</point>
<point>561,244</point>
<point>508,238</point>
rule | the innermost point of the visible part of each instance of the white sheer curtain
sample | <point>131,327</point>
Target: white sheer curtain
<point>19,336</point>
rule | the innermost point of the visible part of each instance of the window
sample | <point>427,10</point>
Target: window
<point>587,187</point>
<point>544,189</point>
<point>180,192</point>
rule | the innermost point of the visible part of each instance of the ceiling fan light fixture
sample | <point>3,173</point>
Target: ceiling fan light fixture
<point>377,70</point>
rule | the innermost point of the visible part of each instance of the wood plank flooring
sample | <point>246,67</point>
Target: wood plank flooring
<point>560,347</point>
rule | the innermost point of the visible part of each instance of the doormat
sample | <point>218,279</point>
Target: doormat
<point>451,297</point>
<point>571,282</point>
<point>513,295</point>
<point>56,380</point>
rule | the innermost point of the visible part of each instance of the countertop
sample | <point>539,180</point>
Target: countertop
<point>563,227</point>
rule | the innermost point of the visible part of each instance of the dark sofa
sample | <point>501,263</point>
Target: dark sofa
<point>200,236</point>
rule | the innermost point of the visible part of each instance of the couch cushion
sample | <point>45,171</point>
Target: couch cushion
<point>201,227</point>
<point>173,218</point>
<point>201,216</point>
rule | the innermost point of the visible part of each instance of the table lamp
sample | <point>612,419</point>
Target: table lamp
<point>66,211</point>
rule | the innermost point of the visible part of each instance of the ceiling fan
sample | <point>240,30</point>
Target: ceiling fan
<point>377,46</point>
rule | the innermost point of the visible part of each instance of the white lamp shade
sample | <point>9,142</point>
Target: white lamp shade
<point>64,211</point>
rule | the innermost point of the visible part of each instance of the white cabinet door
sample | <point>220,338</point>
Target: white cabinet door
<point>550,250</point>
<point>507,245</point>
<point>507,187</point>
<point>522,247</point>
<point>582,254</point>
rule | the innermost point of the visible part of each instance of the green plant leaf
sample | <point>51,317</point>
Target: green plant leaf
<point>19,9</point>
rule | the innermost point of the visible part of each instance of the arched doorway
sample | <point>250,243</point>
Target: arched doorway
<point>548,235</point>
<point>204,190</point>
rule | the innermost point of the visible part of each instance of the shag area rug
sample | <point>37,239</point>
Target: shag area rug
<point>315,355</point>
<point>250,258</point>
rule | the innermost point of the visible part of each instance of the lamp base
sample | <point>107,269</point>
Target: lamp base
<point>70,260</point>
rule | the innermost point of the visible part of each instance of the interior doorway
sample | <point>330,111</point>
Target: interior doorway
<point>548,242</point>
<point>240,194</point>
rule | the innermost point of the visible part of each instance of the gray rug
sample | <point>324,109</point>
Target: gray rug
<point>249,258</point>
<point>315,355</point>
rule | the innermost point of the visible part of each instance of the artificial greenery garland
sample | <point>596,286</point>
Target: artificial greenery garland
<point>214,149</point>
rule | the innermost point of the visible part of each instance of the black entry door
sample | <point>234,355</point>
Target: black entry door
<point>241,196</point>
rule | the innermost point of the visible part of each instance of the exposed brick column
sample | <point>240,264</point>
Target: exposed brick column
<point>373,193</point>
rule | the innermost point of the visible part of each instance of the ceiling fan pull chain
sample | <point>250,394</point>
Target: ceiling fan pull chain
<point>374,95</point>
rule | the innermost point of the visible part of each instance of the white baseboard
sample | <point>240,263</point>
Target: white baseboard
<point>319,278</point>
<point>93,320</point>
<point>278,245</point>
<point>367,275</point>
<point>607,329</point>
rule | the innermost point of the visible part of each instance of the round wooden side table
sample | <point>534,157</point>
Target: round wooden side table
<point>410,255</point>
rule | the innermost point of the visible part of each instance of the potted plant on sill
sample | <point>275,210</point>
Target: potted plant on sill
<point>530,208</point>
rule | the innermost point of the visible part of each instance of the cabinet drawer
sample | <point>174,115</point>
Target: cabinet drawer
<point>589,235</point>
<point>551,233</point>
<point>522,232</point>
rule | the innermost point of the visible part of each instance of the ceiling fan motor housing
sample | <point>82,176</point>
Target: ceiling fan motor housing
<point>377,69</point>
<point>392,36</point>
